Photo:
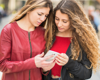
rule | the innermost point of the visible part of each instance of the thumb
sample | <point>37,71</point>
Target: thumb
<point>41,55</point>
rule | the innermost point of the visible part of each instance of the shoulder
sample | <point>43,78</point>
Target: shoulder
<point>7,31</point>
<point>8,27</point>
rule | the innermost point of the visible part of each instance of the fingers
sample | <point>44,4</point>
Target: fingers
<point>41,61</point>
<point>49,67</point>
<point>63,55</point>
<point>47,63</point>
<point>48,57</point>
<point>60,64</point>
<point>62,59</point>
<point>41,55</point>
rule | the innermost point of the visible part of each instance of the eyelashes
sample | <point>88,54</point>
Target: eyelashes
<point>62,20</point>
<point>42,14</point>
<point>39,14</point>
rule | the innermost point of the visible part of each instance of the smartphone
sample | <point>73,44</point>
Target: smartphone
<point>50,52</point>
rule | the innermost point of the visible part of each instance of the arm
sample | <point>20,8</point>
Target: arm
<point>79,69</point>
<point>6,65</point>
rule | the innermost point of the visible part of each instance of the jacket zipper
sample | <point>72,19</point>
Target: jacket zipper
<point>30,50</point>
<point>60,73</point>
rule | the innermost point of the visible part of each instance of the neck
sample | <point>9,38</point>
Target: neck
<point>25,24</point>
<point>65,34</point>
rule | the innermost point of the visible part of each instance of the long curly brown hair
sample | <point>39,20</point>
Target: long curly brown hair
<point>83,33</point>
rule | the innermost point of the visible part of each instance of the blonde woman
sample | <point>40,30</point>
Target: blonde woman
<point>22,42</point>
<point>75,39</point>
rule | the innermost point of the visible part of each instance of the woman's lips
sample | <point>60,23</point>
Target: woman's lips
<point>39,23</point>
<point>60,28</point>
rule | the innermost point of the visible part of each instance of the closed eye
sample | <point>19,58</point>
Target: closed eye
<point>46,15</point>
<point>39,14</point>
<point>65,21</point>
<point>56,18</point>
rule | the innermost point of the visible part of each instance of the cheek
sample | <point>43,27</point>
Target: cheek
<point>67,26</point>
<point>44,19</point>
<point>33,17</point>
<point>56,22</point>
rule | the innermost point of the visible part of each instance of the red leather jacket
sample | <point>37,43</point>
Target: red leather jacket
<point>17,51</point>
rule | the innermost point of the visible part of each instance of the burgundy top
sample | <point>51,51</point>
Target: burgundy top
<point>60,45</point>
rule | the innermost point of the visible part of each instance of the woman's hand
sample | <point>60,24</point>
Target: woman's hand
<point>62,59</point>
<point>50,66</point>
<point>41,62</point>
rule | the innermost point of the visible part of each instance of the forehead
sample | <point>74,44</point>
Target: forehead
<point>61,15</point>
<point>42,10</point>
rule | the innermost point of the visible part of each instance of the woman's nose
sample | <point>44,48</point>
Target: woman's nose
<point>42,18</point>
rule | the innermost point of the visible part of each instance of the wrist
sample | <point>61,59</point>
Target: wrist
<point>44,70</point>
<point>44,73</point>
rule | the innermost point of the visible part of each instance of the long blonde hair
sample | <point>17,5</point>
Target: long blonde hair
<point>83,33</point>
<point>31,5</point>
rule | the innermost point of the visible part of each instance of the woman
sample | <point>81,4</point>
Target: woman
<point>22,42</point>
<point>75,40</point>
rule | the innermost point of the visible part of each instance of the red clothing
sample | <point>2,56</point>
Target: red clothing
<point>16,48</point>
<point>60,45</point>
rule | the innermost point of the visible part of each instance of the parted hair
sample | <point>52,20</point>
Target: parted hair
<point>83,34</point>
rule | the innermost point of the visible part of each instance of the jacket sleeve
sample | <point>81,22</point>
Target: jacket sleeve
<point>82,69</point>
<point>6,65</point>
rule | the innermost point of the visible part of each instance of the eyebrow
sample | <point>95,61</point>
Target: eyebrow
<point>62,19</point>
<point>42,13</point>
